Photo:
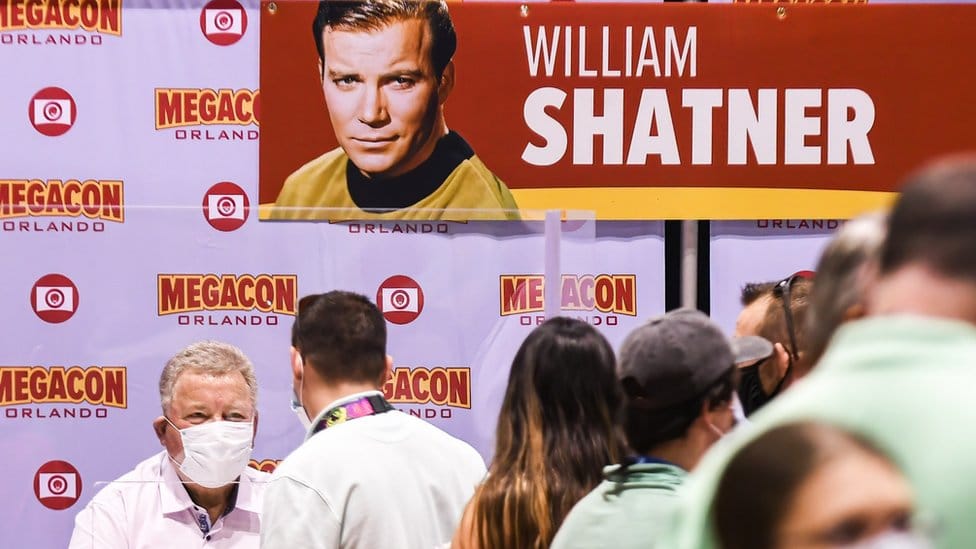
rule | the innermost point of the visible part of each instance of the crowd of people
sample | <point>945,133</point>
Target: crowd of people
<point>835,417</point>
<point>853,381</point>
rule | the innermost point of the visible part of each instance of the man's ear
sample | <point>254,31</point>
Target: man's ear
<point>321,71</point>
<point>771,371</point>
<point>297,364</point>
<point>446,84</point>
<point>387,372</point>
<point>782,361</point>
<point>159,426</point>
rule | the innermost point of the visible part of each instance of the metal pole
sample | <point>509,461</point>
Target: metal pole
<point>689,264</point>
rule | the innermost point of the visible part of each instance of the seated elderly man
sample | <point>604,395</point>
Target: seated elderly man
<point>198,492</point>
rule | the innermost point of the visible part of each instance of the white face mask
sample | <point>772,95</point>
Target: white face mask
<point>893,539</point>
<point>215,453</point>
<point>296,403</point>
<point>300,413</point>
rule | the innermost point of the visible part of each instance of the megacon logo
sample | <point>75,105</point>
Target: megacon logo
<point>180,108</point>
<point>227,300</point>
<point>400,299</point>
<point>38,392</point>
<point>223,22</point>
<point>97,200</point>
<point>51,22</point>
<point>225,206</point>
<point>54,298</point>
<point>52,111</point>
<point>610,295</point>
<point>57,485</point>
<point>430,392</point>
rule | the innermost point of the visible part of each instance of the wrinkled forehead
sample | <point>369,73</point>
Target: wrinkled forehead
<point>196,388</point>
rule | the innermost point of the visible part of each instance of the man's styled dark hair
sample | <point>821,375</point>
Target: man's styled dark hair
<point>373,15</point>
<point>342,335</point>
<point>646,428</point>
<point>754,290</point>
<point>934,221</point>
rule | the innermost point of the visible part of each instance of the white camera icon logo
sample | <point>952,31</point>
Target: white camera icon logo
<point>225,206</point>
<point>57,485</point>
<point>223,21</point>
<point>401,299</point>
<point>55,298</point>
<point>52,111</point>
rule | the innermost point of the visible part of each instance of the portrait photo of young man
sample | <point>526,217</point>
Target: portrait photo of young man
<point>387,70</point>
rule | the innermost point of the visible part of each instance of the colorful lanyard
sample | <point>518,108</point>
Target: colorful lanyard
<point>361,407</point>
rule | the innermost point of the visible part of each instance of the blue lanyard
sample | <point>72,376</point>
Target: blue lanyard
<point>634,460</point>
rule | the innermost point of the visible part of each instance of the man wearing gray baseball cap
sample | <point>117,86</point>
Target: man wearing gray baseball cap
<point>678,373</point>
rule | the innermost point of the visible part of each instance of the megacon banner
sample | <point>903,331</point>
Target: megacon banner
<point>130,194</point>
<point>634,111</point>
<point>129,230</point>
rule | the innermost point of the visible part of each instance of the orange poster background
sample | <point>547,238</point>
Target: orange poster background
<point>913,61</point>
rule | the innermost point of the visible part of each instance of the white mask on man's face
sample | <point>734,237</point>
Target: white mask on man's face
<point>300,413</point>
<point>215,453</point>
<point>296,402</point>
<point>893,539</point>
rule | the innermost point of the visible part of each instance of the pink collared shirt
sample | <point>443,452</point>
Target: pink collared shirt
<point>148,507</point>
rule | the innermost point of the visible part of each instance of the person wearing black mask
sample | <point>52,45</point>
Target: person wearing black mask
<point>777,312</point>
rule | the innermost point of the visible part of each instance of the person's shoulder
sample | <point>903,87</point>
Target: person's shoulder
<point>337,444</point>
<point>475,169</point>
<point>445,441</point>
<point>315,167</point>
<point>146,473</point>
<point>296,461</point>
<point>312,185</point>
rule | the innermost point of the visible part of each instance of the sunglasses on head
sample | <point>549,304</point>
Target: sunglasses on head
<point>782,291</point>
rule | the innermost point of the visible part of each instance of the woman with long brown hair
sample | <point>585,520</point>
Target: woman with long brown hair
<point>556,431</point>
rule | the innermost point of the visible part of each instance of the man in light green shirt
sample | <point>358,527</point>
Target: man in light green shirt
<point>904,377</point>
<point>679,377</point>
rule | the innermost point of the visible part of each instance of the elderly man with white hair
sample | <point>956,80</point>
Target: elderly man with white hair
<point>198,492</point>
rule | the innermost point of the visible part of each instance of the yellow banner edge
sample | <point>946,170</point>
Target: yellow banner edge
<point>719,203</point>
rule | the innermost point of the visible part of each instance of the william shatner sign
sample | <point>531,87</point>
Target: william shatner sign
<point>664,111</point>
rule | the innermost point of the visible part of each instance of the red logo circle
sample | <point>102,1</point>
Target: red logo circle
<point>54,298</point>
<point>57,485</point>
<point>52,111</point>
<point>225,206</point>
<point>223,22</point>
<point>400,299</point>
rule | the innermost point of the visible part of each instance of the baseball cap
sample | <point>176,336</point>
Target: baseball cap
<point>676,357</point>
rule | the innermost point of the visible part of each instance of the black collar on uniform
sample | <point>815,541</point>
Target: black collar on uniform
<point>378,196</point>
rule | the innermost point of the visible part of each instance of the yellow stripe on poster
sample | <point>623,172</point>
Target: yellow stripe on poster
<point>705,202</point>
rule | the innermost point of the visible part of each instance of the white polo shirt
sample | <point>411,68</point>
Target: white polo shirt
<point>384,481</point>
<point>148,507</point>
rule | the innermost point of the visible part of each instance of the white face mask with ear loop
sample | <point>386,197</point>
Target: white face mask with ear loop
<point>893,539</point>
<point>300,413</point>
<point>296,402</point>
<point>215,453</point>
<point>718,432</point>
